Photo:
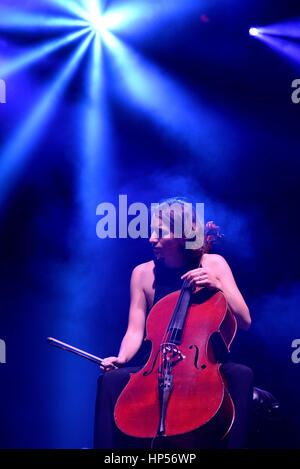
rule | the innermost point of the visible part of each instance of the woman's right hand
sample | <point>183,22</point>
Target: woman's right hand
<point>111,363</point>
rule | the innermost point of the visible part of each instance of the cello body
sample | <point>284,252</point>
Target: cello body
<point>196,392</point>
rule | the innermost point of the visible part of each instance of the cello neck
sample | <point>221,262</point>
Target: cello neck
<point>179,315</point>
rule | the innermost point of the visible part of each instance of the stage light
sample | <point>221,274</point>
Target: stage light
<point>254,31</point>
<point>97,24</point>
<point>281,37</point>
<point>94,15</point>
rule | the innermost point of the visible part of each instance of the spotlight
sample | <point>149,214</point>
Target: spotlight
<point>97,24</point>
<point>254,31</point>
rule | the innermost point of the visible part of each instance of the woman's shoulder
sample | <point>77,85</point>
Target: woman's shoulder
<point>145,267</point>
<point>213,259</point>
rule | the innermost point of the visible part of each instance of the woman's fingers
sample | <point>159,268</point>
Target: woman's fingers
<point>201,278</point>
<point>193,273</point>
<point>108,367</point>
<point>109,363</point>
<point>195,277</point>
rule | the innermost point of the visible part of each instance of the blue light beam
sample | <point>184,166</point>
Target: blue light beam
<point>288,29</point>
<point>136,15</point>
<point>94,178</point>
<point>14,20</point>
<point>13,156</point>
<point>25,59</point>
<point>89,11</point>
<point>282,37</point>
<point>94,15</point>
<point>169,104</point>
<point>286,47</point>
<point>73,7</point>
<point>93,106</point>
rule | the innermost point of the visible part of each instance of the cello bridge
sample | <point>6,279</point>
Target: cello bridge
<point>171,354</point>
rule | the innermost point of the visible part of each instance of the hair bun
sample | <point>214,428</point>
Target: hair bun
<point>212,235</point>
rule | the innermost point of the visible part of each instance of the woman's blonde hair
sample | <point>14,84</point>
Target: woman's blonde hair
<point>175,207</point>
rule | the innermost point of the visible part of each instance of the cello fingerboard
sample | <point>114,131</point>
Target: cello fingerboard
<point>179,315</point>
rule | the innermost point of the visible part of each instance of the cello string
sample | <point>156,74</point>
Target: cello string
<point>175,315</point>
<point>178,306</point>
<point>170,334</point>
<point>177,312</point>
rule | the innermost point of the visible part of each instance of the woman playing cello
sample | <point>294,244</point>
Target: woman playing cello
<point>152,281</point>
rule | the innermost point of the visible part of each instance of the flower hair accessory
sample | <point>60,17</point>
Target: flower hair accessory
<point>212,236</point>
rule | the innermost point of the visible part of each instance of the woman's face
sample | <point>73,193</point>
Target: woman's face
<point>162,239</point>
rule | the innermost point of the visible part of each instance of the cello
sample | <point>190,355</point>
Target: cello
<point>181,388</point>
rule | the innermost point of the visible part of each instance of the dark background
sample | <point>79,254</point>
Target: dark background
<point>240,157</point>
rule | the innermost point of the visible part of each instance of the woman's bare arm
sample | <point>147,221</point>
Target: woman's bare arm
<point>134,335</point>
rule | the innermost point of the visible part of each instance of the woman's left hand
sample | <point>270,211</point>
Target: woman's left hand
<point>202,277</point>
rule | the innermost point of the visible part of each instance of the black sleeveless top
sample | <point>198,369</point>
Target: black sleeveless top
<point>166,280</point>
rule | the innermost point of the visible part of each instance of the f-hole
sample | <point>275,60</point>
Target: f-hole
<point>201,367</point>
